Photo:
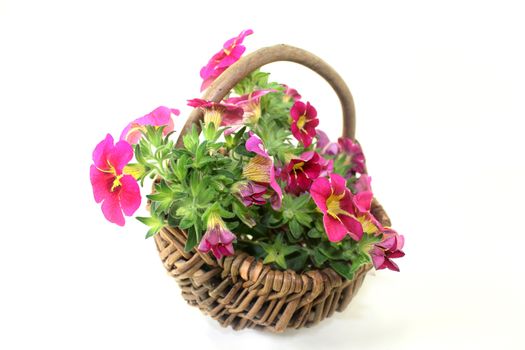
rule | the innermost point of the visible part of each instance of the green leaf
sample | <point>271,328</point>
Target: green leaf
<point>155,223</point>
<point>194,237</point>
<point>277,252</point>
<point>342,268</point>
<point>318,258</point>
<point>163,195</point>
<point>243,213</point>
<point>295,229</point>
<point>298,260</point>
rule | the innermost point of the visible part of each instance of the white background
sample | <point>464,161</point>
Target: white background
<point>439,90</point>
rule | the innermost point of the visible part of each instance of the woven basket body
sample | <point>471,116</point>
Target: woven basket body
<point>239,290</point>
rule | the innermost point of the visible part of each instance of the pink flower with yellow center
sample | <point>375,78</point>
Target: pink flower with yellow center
<point>219,114</point>
<point>261,169</point>
<point>302,171</point>
<point>118,192</point>
<point>389,248</point>
<point>161,116</point>
<point>355,156</point>
<point>304,121</point>
<point>217,238</point>
<point>336,203</point>
<point>231,52</point>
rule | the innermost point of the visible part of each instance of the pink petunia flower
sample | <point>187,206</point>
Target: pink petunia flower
<point>219,114</point>
<point>290,94</point>
<point>231,52</point>
<point>160,116</point>
<point>355,156</point>
<point>389,248</point>
<point>336,203</point>
<point>261,169</point>
<point>250,193</point>
<point>250,103</point>
<point>302,171</point>
<point>217,238</point>
<point>324,145</point>
<point>304,121</point>
<point>363,203</point>
<point>117,191</point>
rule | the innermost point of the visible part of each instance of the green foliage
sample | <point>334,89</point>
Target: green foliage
<point>203,177</point>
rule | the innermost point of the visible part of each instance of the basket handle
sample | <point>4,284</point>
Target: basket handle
<point>247,64</point>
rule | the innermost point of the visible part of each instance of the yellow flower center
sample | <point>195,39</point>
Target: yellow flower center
<point>301,122</point>
<point>116,182</point>
<point>212,116</point>
<point>368,226</point>
<point>111,170</point>
<point>298,166</point>
<point>333,206</point>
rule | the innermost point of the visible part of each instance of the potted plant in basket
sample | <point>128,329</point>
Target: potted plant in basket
<point>262,219</point>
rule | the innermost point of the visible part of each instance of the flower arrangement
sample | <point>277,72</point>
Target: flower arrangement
<point>258,176</point>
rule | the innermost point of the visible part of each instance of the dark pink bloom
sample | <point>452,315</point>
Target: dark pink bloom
<point>302,171</point>
<point>355,155</point>
<point>290,94</point>
<point>251,193</point>
<point>250,103</point>
<point>336,203</point>
<point>261,169</point>
<point>217,238</point>
<point>219,113</point>
<point>117,191</point>
<point>324,145</point>
<point>304,121</point>
<point>160,116</point>
<point>231,52</point>
<point>363,203</point>
<point>389,248</point>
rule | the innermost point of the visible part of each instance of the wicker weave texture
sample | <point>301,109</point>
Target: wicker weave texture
<point>240,291</point>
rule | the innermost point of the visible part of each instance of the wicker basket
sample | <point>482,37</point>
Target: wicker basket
<point>238,290</point>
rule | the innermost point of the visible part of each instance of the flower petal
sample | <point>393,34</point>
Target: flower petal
<point>255,144</point>
<point>120,156</point>
<point>338,183</point>
<point>320,191</point>
<point>101,183</point>
<point>335,229</point>
<point>353,226</point>
<point>111,209</point>
<point>130,197</point>
<point>101,152</point>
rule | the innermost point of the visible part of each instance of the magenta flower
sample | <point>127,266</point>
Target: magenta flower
<point>250,193</point>
<point>389,248</point>
<point>354,153</point>
<point>117,191</point>
<point>160,116</point>
<point>231,52</point>
<point>261,169</point>
<point>290,94</point>
<point>363,203</point>
<point>304,121</point>
<point>324,145</point>
<point>219,114</point>
<point>336,203</point>
<point>217,238</point>
<point>250,103</point>
<point>302,171</point>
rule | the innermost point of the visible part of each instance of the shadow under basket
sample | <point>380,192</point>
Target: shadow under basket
<point>239,290</point>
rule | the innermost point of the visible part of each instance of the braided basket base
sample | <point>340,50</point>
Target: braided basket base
<point>240,291</point>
